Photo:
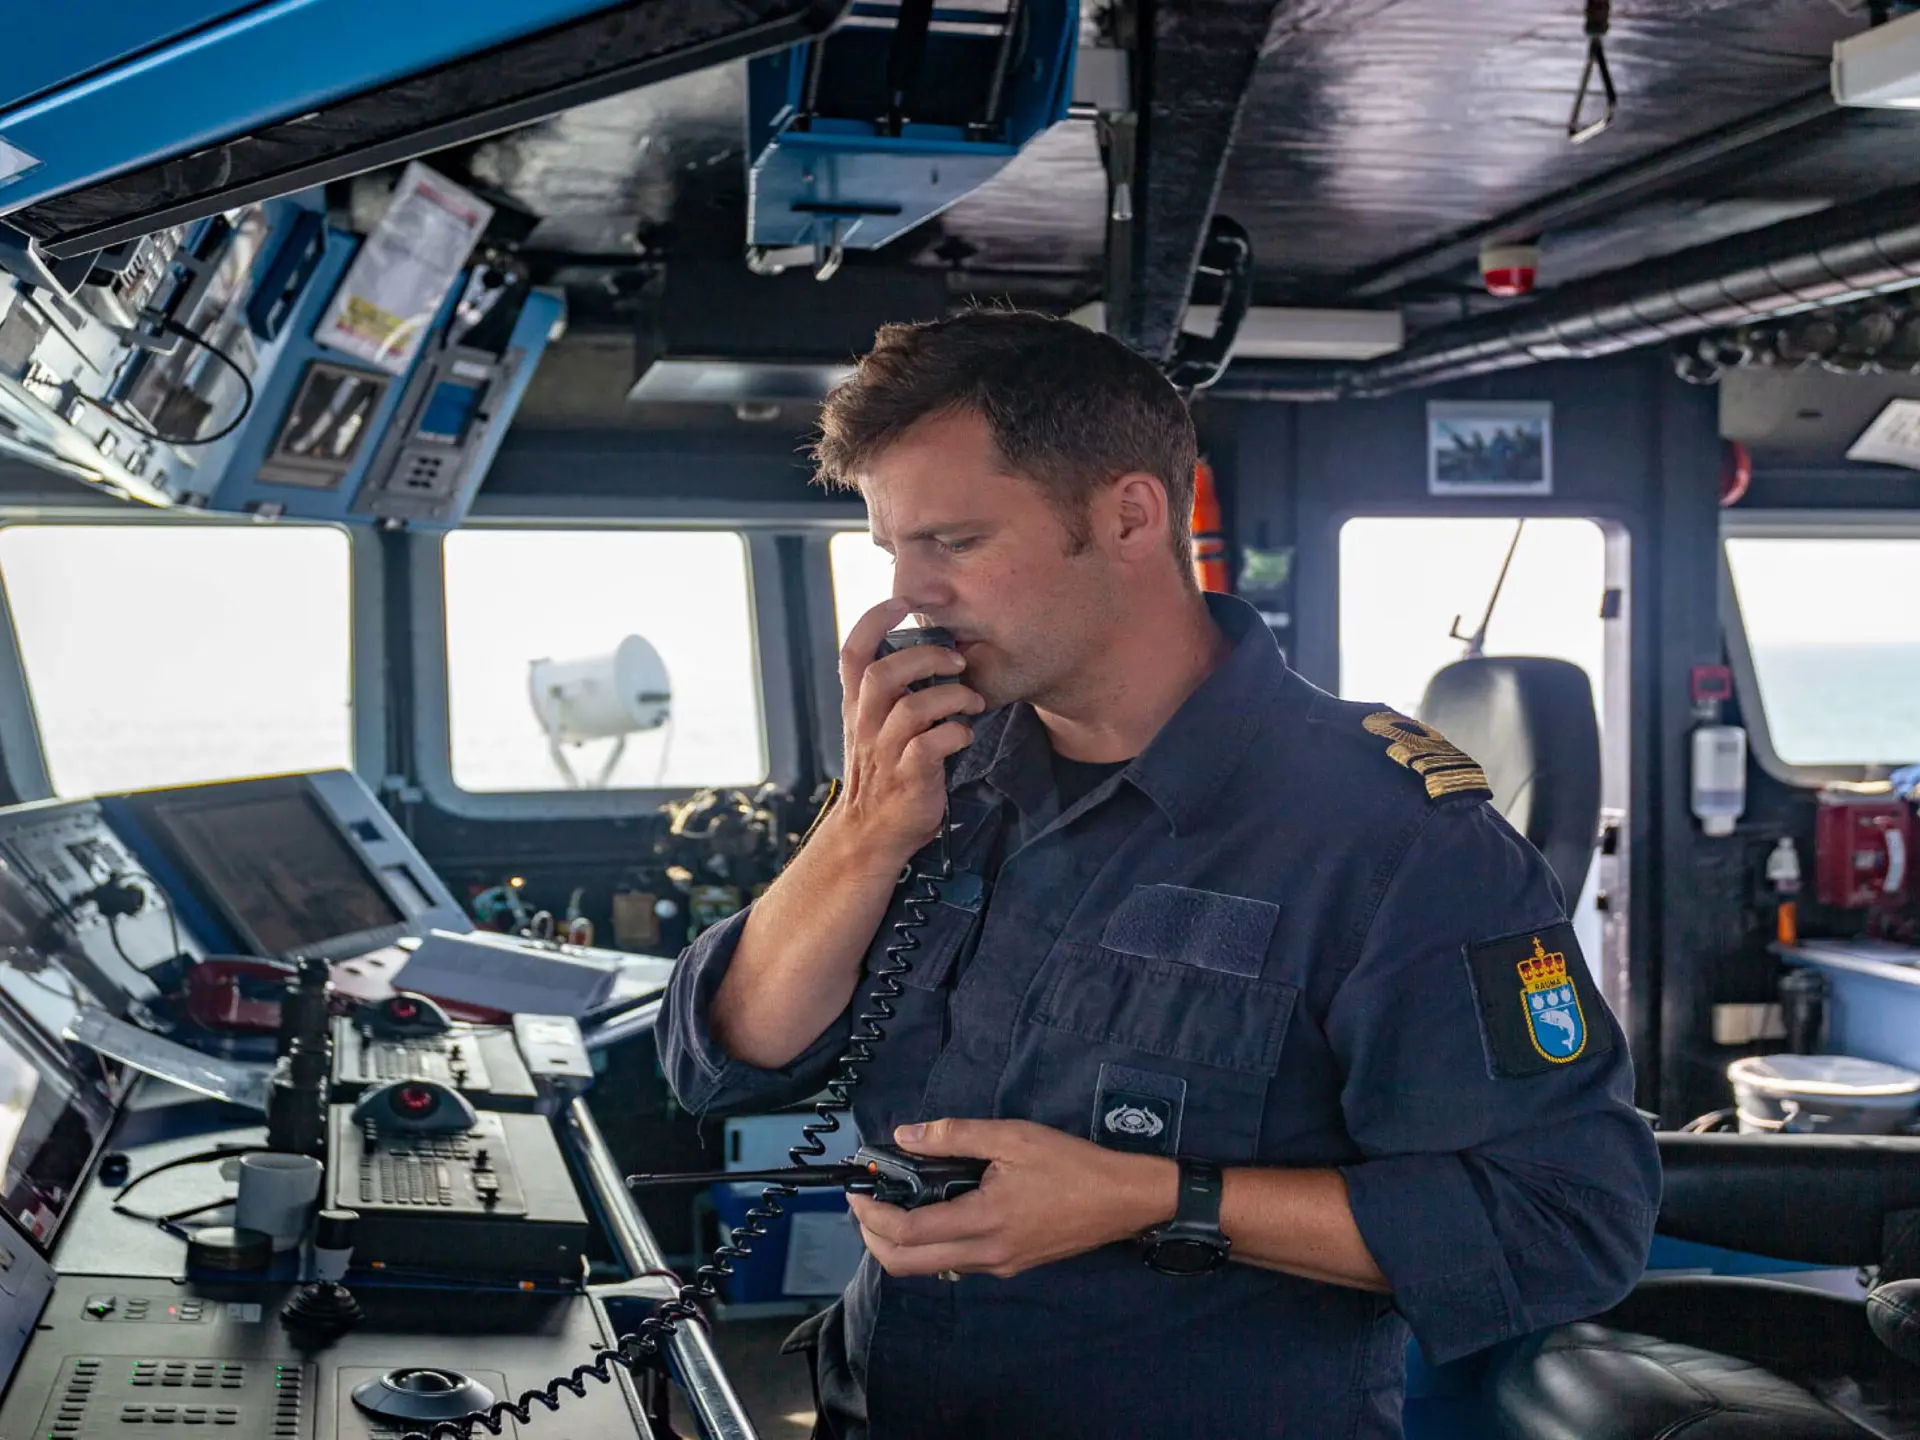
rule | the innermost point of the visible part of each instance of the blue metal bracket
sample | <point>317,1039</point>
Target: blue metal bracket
<point>857,138</point>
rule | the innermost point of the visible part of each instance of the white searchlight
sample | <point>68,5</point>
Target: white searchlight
<point>602,697</point>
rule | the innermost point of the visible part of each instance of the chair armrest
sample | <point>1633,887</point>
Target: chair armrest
<point>1791,1329</point>
<point>1819,1199</point>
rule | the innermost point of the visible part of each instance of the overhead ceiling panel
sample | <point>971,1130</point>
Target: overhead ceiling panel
<point>661,164</point>
<point>1376,127</point>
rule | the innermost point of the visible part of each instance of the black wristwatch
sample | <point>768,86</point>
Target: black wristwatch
<point>1191,1242</point>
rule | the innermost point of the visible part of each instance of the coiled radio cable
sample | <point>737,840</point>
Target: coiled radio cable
<point>640,1349</point>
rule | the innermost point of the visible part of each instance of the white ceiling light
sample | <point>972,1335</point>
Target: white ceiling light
<point>1880,66</point>
<point>1276,333</point>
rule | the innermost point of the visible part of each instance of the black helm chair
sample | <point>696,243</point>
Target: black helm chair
<point>1529,722</point>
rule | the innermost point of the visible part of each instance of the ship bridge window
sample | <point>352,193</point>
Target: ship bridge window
<point>601,659</point>
<point>171,654</point>
<point>862,577</point>
<point>1831,654</point>
<point>1407,584</point>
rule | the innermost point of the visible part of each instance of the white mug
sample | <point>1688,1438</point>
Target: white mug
<point>277,1194</point>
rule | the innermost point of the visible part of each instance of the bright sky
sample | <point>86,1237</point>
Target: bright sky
<point>1834,629</point>
<point>1798,591</point>
<point>862,577</point>
<point>1403,581</point>
<point>175,654</point>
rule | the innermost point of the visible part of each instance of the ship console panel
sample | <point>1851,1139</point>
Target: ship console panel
<point>466,1236</point>
<point>128,1359</point>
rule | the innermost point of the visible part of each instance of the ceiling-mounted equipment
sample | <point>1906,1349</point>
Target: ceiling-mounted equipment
<point>911,104</point>
<point>1509,270</point>
<point>1275,332</point>
<point>703,336</point>
<point>1880,67</point>
<point>215,366</point>
<point>137,118</point>
<point>1599,17</point>
<point>1880,336</point>
<point>1850,252</point>
<point>1225,258</point>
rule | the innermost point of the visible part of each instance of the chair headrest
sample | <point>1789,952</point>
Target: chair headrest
<point>1529,721</point>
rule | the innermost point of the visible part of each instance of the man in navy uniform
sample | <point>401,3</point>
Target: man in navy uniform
<point>1276,1035</point>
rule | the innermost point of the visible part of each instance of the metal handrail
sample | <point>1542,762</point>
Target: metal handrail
<point>710,1395</point>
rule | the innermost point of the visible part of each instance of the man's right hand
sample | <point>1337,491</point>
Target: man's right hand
<point>897,743</point>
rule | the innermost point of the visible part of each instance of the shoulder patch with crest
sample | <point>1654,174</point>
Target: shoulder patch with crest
<point>1538,1009</point>
<point>1446,769</point>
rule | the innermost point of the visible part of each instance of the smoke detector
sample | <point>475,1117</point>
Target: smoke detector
<point>1508,270</point>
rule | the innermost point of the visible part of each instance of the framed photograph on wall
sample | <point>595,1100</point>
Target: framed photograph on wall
<point>1489,447</point>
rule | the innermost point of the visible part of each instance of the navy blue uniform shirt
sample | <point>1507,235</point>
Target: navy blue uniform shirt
<point>1291,932</point>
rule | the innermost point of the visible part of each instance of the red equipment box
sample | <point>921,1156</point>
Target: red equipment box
<point>1863,848</point>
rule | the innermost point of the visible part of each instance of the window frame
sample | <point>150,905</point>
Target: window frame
<point>1626,808</point>
<point>432,727</point>
<point>22,746</point>
<point>1791,525</point>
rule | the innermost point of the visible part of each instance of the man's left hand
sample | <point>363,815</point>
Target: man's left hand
<point>1045,1196</point>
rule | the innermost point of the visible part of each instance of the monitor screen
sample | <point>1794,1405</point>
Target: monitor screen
<point>278,867</point>
<point>51,1122</point>
<point>449,409</point>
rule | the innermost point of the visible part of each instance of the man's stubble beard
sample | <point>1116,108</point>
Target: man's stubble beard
<point>1050,668</point>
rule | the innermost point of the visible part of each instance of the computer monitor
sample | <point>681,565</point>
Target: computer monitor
<point>53,1120</point>
<point>275,865</point>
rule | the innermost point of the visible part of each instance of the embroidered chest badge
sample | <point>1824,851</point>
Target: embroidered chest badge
<point>1555,1023</point>
<point>1137,1110</point>
<point>1139,1120</point>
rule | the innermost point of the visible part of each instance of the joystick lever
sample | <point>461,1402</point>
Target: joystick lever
<point>324,1309</point>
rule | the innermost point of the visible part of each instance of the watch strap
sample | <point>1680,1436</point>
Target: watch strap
<point>1198,1208</point>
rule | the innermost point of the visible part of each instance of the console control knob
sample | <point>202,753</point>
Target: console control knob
<point>422,1393</point>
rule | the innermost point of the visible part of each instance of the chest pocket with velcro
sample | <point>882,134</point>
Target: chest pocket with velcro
<point>1173,991</point>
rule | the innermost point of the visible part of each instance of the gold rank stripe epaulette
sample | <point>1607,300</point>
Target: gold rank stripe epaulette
<point>1446,769</point>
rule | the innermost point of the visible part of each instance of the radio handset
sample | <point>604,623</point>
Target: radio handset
<point>884,1171</point>
<point>911,635</point>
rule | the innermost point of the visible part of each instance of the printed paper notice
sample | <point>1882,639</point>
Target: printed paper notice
<point>823,1251</point>
<point>1893,437</point>
<point>402,273</point>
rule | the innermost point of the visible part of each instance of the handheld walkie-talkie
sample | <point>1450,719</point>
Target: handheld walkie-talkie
<point>885,1172</point>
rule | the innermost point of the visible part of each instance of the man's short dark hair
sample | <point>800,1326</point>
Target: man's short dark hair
<point>1068,408</point>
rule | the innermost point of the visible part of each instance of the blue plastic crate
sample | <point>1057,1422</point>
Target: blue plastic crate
<point>827,1254</point>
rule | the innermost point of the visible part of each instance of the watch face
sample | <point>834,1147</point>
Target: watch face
<point>1185,1257</point>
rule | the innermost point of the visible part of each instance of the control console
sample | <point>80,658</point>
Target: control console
<point>442,1187</point>
<point>122,1359</point>
<point>408,1037</point>
<point>482,1063</point>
